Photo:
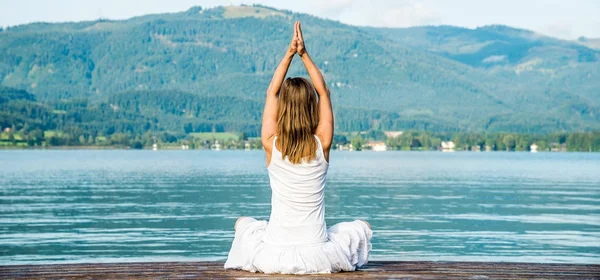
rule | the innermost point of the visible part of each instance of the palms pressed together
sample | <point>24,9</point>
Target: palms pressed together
<point>297,44</point>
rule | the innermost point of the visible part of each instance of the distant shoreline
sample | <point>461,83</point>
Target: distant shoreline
<point>65,148</point>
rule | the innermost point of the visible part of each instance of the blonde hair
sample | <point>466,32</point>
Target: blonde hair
<point>297,120</point>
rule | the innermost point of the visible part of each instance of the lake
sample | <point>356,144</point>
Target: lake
<point>68,206</point>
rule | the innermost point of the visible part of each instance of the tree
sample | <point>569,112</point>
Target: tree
<point>339,139</point>
<point>522,144</point>
<point>458,140</point>
<point>38,136</point>
<point>542,145</point>
<point>490,143</point>
<point>30,141</point>
<point>11,137</point>
<point>425,140</point>
<point>509,142</point>
<point>415,144</point>
<point>357,143</point>
<point>54,141</point>
<point>573,141</point>
<point>137,145</point>
<point>119,139</point>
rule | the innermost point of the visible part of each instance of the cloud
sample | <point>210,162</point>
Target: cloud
<point>559,18</point>
<point>559,30</point>
<point>383,13</point>
<point>331,9</point>
<point>408,13</point>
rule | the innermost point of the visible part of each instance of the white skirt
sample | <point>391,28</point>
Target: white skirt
<point>348,247</point>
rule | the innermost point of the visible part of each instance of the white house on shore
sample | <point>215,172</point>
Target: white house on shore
<point>347,147</point>
<point>216,146</point>
<point>378,146</point>
<point>448,146</point>
<point>533,148</point>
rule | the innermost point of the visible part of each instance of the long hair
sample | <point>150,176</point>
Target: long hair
<point>297,120</point>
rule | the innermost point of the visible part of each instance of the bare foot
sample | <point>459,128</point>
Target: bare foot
<point>237,221</point>
<point>369,225</point>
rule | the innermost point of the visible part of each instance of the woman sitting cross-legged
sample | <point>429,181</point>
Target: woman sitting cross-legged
<point>297,132</point>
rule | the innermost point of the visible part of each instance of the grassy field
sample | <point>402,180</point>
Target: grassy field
<point>221,136</point>
<point>50,133</point>
<point>4,136</point>
<point>10,144</point>
<point>247,11</point>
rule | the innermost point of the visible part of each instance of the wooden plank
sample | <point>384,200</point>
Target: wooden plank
<point>373,270</point>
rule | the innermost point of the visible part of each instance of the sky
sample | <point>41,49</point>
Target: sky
<point>566,19</point>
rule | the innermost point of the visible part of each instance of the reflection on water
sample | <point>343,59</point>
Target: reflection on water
<point>108,206</point>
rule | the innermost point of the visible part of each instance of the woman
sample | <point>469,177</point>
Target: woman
<point>297,132</point>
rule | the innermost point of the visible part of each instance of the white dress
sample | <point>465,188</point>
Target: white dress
<point>295,240</point>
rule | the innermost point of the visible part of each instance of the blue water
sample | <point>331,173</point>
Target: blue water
<point>120,206</point>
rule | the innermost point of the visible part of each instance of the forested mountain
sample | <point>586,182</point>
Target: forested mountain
<point>207,70</point>
<point>494,45</point>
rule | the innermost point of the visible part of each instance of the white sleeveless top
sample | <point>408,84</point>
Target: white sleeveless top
<point>295,240</point>
<point>298,200</point>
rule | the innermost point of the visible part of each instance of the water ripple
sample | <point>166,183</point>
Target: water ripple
<point>127,206</point>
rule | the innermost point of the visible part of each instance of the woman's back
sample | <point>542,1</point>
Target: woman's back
<point>298,199</point>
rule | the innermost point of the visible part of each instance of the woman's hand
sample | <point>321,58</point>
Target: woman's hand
<point>300,49</point>
<point>297,43</point>
<point>293,49</point>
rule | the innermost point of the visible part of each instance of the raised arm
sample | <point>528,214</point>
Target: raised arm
<point>269,122</point>
<point>325,127</point>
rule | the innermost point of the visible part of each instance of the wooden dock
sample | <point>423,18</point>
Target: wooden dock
<point>374,270</point>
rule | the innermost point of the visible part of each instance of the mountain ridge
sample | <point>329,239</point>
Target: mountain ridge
<point>398,75</point>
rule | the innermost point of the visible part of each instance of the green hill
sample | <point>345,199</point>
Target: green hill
<point>492,46</point>
<point>207,70</point>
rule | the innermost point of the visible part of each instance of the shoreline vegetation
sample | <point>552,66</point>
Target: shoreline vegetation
<point>352,141</point>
